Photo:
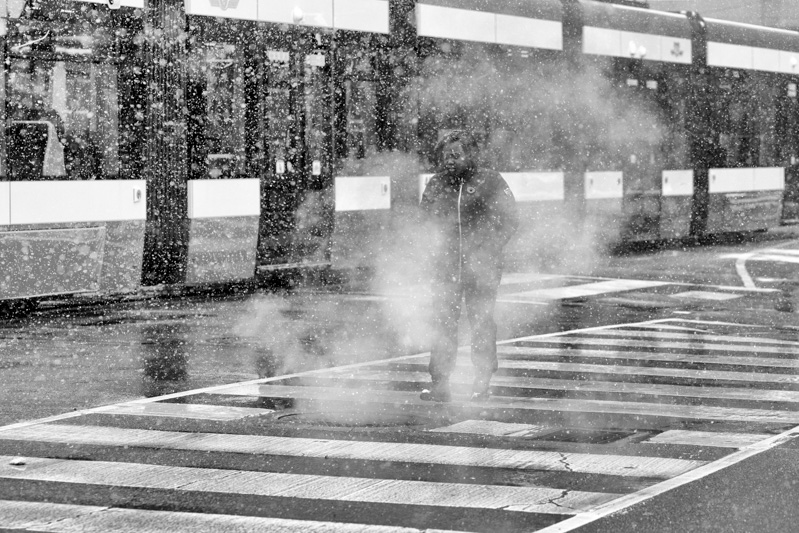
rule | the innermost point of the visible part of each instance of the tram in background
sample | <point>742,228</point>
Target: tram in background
<point>182,143</point>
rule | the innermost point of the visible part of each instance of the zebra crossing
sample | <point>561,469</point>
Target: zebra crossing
<point>580,424</point>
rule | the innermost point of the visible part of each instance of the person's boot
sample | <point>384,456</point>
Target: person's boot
<point>481,387</point>
<point>438,392</point>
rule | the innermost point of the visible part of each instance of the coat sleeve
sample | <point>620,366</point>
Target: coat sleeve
<point>507,215</point>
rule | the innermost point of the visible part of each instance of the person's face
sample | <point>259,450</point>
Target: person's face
<point>454,158</point>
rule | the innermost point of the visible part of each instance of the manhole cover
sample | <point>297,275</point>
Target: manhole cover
<point>351,419</point>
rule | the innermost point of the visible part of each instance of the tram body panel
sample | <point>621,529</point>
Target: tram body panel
<point>223,230</point>
<point>675,208</point>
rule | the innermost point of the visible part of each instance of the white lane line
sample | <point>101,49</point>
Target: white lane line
<point>588,289</point>
<point>707,438</point>
<point>705,295</point>
<point>591,515</point>
<point>58,517</point>
<point>771,253</point>
<point>614,465</point>
<point>529,499</point>
<point>185,410</point>
<point>327,397</point>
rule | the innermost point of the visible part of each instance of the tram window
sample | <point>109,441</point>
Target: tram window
<point>62,120</point>
<point>217,105</point>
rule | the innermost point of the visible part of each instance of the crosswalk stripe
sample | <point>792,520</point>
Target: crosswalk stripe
<point>614,465</point>
<point>59,517</point>
<point>650,357</point>
<point>659,345</point>
<point>184,410</point>
<point>658,390</point>
<point>696,337</point>
<point>325,396</point>
<point>527,499</point>
<point>706,438</point>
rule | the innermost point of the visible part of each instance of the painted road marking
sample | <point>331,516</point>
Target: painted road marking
<point>587,289</point>
<point>774,254</point>
<point>184,410</point>
<point>660,345</point>
<point>705,295</point>
<point>654,357</point>
<point>328,397</point>
<point>463,376</point>
<point>35,516</point>
<point>707,438</point>
<point>613,465</point>
<point>528,499</point>
<point>697,337</point>
<point>496,429</point>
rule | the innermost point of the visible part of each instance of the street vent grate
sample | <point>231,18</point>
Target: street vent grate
<point>337,418</point>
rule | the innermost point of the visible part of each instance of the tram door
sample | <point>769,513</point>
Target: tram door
<point>297,202</point>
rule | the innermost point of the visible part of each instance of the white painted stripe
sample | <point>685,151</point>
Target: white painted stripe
<point>361,15</point>
<point>324,397</point>
<point>91,519</point>
<point>616,506</point>
<point>707,438</point>
<point>588,289</point>
<point>452,23</point>
<point>363,193</point>
<point>47,202</point>
<point>184,410</point>
<point>705,295</point>
<point>535,186</point>
<point>616,465</point>
<point>235,9</point>
<point>673,332</point>
<point>534,33</point>
<point>5,203</point>
<point>776,258</point>
<point>600,185</point>
<point>224,198</point>
<point>729,55</point>
<point>653,356</point>
<point>326,488</point>
<point>678,182</point>
<point>463,376</point>
<point>661,345</point>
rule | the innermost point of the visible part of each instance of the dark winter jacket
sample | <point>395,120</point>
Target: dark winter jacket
<point>474,220</point>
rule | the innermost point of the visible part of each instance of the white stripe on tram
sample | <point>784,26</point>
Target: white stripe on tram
<point>59,517</point>
<point>527,499</point>
<point>320,397</point>
<point>614,465</point>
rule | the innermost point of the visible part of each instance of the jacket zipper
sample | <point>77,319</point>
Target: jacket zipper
<point>460,237</point>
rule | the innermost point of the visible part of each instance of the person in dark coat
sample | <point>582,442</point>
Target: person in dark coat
<point>473,215</point>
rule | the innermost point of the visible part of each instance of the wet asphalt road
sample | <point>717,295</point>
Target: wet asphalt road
<point>72,357</point>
